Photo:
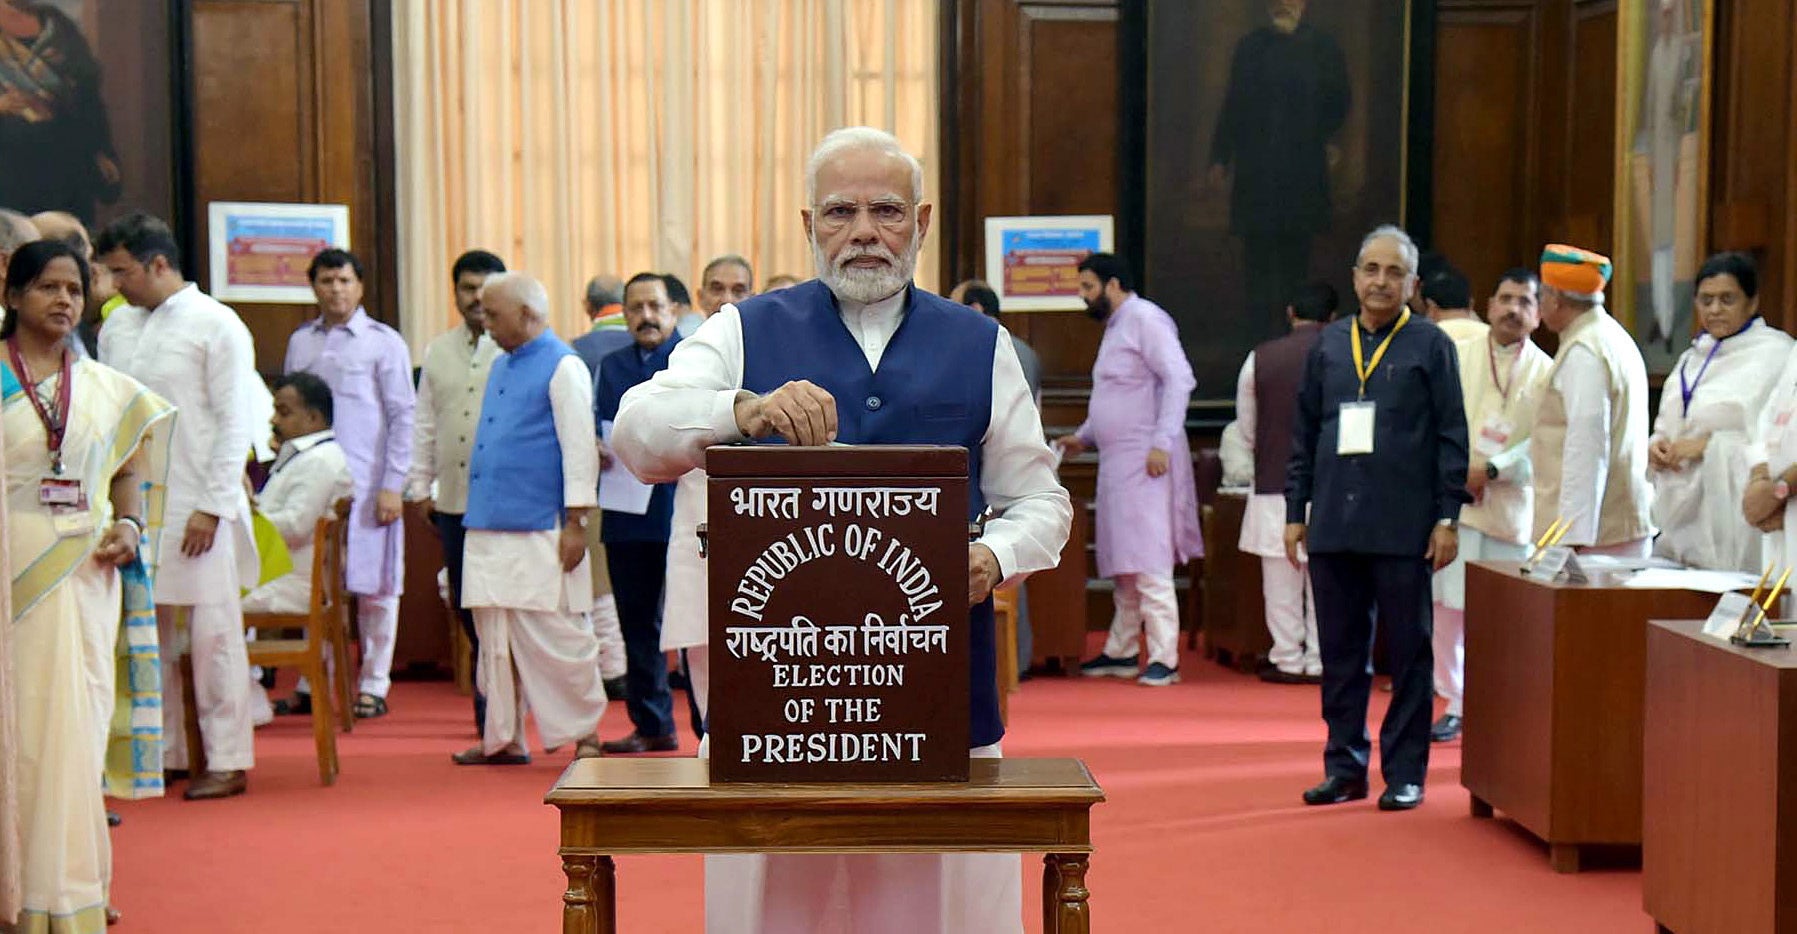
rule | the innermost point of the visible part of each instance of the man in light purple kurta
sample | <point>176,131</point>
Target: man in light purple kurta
<point>1147,500</point>
<point>369,370</point>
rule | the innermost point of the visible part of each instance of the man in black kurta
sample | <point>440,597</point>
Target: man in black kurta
<point>1288,96</point>
<point>1379,462</point>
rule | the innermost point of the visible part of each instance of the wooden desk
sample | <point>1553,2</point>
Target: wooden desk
<point>1554,686</point>
<point>1719,786</point>
<point>612,807</point>
<point>1235,610</point>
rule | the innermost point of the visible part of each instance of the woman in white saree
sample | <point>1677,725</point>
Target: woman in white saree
<point>1698,456</point>
<point>75,497</point>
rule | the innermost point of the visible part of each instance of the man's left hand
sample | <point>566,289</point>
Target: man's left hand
<point>1157,462</point>
<point>1444,546</point>
<point>573,546</point>
<point>388,507</point>
<point>982,573</point>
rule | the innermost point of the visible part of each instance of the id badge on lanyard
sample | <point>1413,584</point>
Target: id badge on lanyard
<point>1494,436</point>
<point>1355,421</point>
<point>66,500</point>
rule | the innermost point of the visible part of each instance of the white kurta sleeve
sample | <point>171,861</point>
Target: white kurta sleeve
<point>571,404</point>
<point>1586,462</point>
<point>316,482</point>
<point>230,361</point>
<point>424,438</point>
<point>1017,476</point>
<point>1759,447</point>
<point>1246,410</point>
<point>665,423</point>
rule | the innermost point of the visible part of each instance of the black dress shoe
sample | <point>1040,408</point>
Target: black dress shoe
<point>113,819</point>
<point>1336,790</point>
<point>1401,797</point>
<point>637,742</point>
<point>1445,730</point>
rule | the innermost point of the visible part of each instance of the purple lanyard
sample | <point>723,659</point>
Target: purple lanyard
<point>1688,387</point>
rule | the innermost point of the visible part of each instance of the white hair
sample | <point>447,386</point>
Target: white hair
<point>521,288</point>
<point>856,139</point>
<point>1406,246</point>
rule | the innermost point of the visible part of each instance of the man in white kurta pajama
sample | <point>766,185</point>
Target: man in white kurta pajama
<point>865,223</point>
<point>1147,508</point>
<point>532,481</point>
<point>195,352</point>
<point>1502,375</point>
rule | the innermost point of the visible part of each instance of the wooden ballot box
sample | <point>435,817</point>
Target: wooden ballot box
<point>839,616</point>
<point>1719,785</point>
<point>1554,688</point>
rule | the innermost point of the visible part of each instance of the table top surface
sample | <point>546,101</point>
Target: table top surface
<point>684,782</point>
<point>1781,658</point>
<point>1600,579</point>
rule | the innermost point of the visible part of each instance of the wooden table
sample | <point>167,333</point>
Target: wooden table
<point>1235,610</point>
<point>613,807</point>
<point>1554,687</point>
<point>1719,792</point>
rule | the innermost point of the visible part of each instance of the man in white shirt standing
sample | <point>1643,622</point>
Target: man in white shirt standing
<point>776,365</point>
<point>451,383</point>
<point>1590,438</point>
<point>533,480</point>
<point>196,353</point>
<point>1502,375</point>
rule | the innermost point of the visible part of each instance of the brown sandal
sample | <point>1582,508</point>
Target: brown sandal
<point>473,756</point>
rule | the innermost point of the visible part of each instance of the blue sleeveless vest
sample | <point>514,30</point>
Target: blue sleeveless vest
<point>515,473</point>
<point>934,386</point>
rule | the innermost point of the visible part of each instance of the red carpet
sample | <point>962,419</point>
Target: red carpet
<point>1203,832</point>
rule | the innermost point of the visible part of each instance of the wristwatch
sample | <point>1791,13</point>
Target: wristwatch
<point>1491,471</point>
<point>579,522</point>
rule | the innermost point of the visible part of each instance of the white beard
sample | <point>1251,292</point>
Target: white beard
<point>866,286</point>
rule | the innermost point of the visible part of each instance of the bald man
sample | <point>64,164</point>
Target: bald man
<point>533,480</point>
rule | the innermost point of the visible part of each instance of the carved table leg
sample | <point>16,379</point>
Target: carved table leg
<point>1070,912</point>
<point>589,905</point>
<point>1051,879</point>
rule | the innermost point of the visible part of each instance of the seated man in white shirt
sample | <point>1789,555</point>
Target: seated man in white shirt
<point>308,476</point>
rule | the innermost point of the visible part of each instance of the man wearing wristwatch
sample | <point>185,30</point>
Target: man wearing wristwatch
<point>1502,374</point>
<point>531,482</point>
<point>1379,461</point>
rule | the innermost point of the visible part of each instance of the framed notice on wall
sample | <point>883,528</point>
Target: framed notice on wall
<point>1033,262</point>
<point>260,251</point>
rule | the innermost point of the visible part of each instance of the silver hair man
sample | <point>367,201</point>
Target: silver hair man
<point>865,232</point>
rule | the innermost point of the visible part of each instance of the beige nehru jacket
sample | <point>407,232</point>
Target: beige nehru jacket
<point>1626,498</point>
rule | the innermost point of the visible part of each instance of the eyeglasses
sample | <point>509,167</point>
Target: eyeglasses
<point>836,215</point>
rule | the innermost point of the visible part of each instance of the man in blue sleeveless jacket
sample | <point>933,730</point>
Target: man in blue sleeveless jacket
<point>532,482</point>
<point>863,357</point>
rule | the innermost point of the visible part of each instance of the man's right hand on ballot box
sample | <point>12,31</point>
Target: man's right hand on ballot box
<point>800,411</point>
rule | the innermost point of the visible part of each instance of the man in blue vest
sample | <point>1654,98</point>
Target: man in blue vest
<point>862,356</point>
<point>531,482</point>
<point>636,544</point>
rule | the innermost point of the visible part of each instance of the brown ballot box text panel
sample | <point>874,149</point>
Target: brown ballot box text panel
<point>839,633</point>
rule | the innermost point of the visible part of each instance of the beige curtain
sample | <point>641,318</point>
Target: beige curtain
<point>578,137</point>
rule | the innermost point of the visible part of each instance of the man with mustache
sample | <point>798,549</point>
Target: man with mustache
<point>636,545</point>
<point>1502,374</point>
<point>1287,98</point>
<point>1591,437</point>
<point>860,355</point>
<point>1147,520</point>
<point>1373,491</point>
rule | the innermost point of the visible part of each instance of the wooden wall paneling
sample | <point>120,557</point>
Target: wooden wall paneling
<point>1753,175</point>
<point>284,111</point>
<point>1029,128</point>
<point>1587,217</point>
<point>1484,93</point>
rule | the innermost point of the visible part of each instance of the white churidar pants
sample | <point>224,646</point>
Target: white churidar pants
<point>1145,603</point>
<point>1291,617</point>
<point>552,660</point>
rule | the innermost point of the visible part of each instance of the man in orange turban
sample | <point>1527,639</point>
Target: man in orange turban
<point>1590,437</point>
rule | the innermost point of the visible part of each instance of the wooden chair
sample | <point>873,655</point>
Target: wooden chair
<point>322,628</point>
<point>1004,612</point>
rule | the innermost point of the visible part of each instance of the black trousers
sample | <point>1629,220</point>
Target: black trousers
<point>1276,264</point>
<point>639,572</point>
<point>454,538</point>
<point>1349,589</point>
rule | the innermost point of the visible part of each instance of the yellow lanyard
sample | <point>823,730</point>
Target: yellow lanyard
<point>1365,370</point>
